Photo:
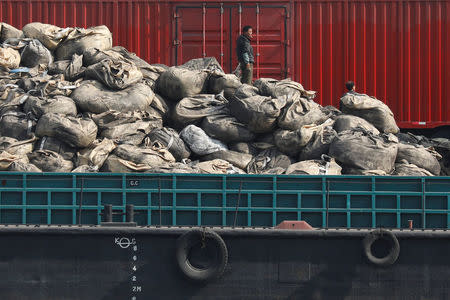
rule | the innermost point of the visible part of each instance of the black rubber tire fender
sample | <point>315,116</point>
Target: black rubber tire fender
<point>394,250</point>
<point>185,243</point>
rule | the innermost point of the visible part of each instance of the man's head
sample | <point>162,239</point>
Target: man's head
<point>350,85</point>
<point>248,31</point>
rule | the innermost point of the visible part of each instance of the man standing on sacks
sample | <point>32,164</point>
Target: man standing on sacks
<point>245,54</point>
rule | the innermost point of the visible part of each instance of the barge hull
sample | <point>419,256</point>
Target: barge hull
<point>54,263</point>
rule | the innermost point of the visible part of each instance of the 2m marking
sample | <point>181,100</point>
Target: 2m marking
<point>137,288</point>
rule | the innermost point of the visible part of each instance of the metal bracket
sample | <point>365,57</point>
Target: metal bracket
<point>176,42</point>
<point>108,214</point>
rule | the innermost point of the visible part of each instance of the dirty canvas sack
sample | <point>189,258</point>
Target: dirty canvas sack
<point>220,82</point>
<point>404,168</point>
<point>58,67</point>
<point>299,112</point>
<point>9,32</point>
<point>49,35</point>
<point>91,56</point>
<point>58,105</point>
<point>442,146</point>
<point>292,142</point>
<point>96,153</point>
<point>77,132</point>
<point>130,133</point>
<point>17,125</point>
<point>199,142</point>
<point>268,159</point>
<point>160,105</point>
<point>80,39</point>
<point>174,168</point>
<point>240,160</point>
<point>34,53</point>
<point>246,91</point>
<point>116,74</point>
<point>92,96</point>
<point>217,166</point>
<point>170,139</point>
<point>360,149</point>
<point>177,83</point>
<point>348,122</point>
<point>372,110</point>
<point>198,64</point>
<point>327,166</point>
<point>85,169</point>
<point>15,147</point>
<point>128,127</point>
<point>55,145</point>
<point>114,118</point>
<point>319,143</point>
<point>9,58</point>
<point>259,112</point>
<point>147,156</point>
<point>19,166</point>
<point>150,72</point>
<point>49,161</point>
<point>286,87</point>
<point>75,69</point>
<point>420,156</point>
<point>6,159</point>
<point>227,129</point>
<point>115,164</point>
<point>192,109</point>
<point>247,148</point>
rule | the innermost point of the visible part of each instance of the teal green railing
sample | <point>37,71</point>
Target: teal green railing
<point>227,200</point>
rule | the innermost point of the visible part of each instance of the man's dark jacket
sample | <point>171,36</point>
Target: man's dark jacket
<point>243,46</point>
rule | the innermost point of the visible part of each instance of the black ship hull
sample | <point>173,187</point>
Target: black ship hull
<point>55,263</point>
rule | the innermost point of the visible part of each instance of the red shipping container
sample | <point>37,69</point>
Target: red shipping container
<point>398,51</point>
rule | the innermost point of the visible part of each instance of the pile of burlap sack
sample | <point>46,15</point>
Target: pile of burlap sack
<point>70,102</point>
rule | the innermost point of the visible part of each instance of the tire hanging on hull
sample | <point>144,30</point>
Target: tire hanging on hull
<point>394,247</point>
<point>203,238</point>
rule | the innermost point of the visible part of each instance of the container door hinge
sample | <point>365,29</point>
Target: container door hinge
<point>175,15</point>
<point>176,42</point>
<point>287,42</point>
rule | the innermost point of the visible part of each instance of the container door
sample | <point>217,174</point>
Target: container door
<point>212,30</point>
<point>269,38</point>
<point>202,31</point>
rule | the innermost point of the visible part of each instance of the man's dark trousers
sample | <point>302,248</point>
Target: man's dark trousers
<point>246,74</point>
